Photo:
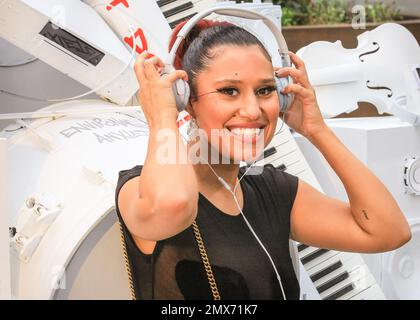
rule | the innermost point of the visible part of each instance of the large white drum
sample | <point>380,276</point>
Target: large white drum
<point>61,180</point>
<point>401,268</point>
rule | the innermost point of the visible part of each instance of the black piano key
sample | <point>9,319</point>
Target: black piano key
<point>162,3</point>
<point>282,167</point>
<point>174,23</point>
<point>314,255</point>
<point>322,273</point>
<point>181,8</point>
<point>269,152</point>
<point>340,293</point>
<point>331,283</point>
<point>302,247</point>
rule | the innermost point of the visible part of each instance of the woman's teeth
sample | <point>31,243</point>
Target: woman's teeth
<point>245,131</point>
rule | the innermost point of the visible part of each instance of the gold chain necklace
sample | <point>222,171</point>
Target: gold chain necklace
<point>206,262</point>
<point>127,264</point>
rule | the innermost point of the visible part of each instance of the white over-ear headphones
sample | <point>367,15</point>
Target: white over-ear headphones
<point>181,88</point>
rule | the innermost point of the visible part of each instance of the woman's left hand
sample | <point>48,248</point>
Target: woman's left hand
<point>304,115</point>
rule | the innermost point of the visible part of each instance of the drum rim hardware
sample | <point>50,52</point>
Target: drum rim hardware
<point>411,169</point>
<point>40,212</point>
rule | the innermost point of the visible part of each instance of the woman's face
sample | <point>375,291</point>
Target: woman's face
<point>237,106</point>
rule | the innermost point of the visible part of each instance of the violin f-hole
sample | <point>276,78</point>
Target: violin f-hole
<point>370,52</point>
<point>389,95</point>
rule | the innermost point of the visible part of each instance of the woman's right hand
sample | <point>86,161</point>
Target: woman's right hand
<point>155,95</point>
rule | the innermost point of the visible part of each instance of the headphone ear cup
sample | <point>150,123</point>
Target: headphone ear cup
<point>284,99</point>
<point>181,91</point>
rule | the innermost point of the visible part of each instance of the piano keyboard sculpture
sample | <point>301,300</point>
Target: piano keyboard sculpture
<point>177,10</point>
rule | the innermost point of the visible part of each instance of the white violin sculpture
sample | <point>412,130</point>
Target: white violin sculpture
<point>383,70</point>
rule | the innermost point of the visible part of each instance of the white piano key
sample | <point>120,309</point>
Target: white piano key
<point>372,293</point>
<point>288,157</point>
<point>341,256</point>
<point>359,289</point>
<point>296,170</point>
<point>307,288</point>
<point>359,277</point>
<point>287,152</point>
<point>309,265</point>
<point>351,263</point>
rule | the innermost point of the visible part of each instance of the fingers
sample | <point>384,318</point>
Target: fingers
<point>298,73</point>
<point>177,74</point>
<point>298,76</point>
<point>297,61</point>
<point>151,67</point>
<point>138,67</point>
<point>147,69</point>
<point>299,90</point>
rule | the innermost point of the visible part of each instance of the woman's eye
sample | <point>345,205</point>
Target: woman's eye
<point>228,91</point>
<point>266,90</point>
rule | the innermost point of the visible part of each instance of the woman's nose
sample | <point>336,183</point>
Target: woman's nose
<point>250,107</point>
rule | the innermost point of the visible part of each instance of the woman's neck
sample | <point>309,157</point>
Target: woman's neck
<point>208,180</point>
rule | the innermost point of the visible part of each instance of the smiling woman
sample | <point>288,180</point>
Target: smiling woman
<point>207,230</point>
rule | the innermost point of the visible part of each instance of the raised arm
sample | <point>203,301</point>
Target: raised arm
<point>163,201</point>
<point>372,220</point>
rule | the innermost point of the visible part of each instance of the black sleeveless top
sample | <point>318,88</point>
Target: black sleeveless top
<point>241,268</point>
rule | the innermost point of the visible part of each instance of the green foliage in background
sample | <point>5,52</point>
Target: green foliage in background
<point>304,12</point>
<point>380,12</point>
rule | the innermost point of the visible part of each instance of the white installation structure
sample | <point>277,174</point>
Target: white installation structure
<point>63,160</point>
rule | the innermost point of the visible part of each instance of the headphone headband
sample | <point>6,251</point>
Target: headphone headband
<point>234,12</point>
<point>181,88</point>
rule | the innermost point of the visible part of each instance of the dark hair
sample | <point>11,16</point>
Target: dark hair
<point>193,54</point>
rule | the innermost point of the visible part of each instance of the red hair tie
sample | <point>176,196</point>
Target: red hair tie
<point>194,32</point>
